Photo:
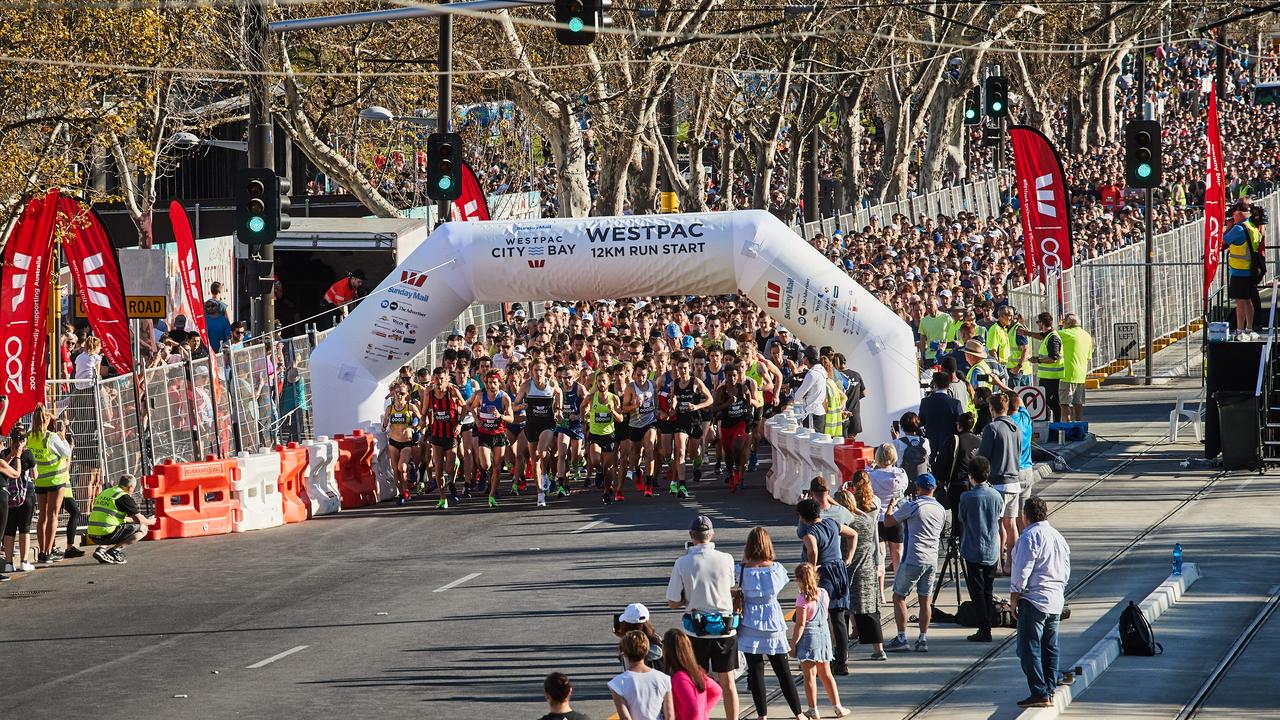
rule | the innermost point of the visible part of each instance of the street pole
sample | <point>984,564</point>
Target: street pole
<point>445,90</point>
<point>261,149</point>
<point>667,129</point>
<point>1149,317</point>
<point>811,178</point>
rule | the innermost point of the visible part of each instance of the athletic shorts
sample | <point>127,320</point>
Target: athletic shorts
<point>117,536</point>
<point>533,431</point>
<point>574,432</point>
<point>607,443</point>
<point>620,432</point>
<point>446,442</point>
<point>401,444</point>
<point>515,430</point>
<point>492,440</point>
<point>689,425</point>
<point>1241,287</point>
<point>731,433</point>
<point>719,654</point>
<point>42,489</point>
<point>666,427</point>
<point>636,434</point>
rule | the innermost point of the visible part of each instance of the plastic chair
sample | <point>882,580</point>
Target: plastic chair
<point>1183,410</point>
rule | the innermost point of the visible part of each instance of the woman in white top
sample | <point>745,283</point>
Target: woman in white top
<point>888,481</point>
<point>89,363</point>
<point>640,692</point>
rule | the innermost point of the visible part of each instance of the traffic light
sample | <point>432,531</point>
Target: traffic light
<point>973,107</point>
<point>991,136</point>
<point>262,202</point>
<point>996,91</point>
<point>578,18</point>
<point>444,166</point>
<point>1143,167</point>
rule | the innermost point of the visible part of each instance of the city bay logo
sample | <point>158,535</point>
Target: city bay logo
<point>542,245</point>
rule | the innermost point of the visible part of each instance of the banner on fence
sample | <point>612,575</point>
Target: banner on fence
<point>96,274</point>
<point>188,267</point>
<point>23,290</point>
<point>1042,190</point>
<point>1215,199</point>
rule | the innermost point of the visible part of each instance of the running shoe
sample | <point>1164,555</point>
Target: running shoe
<point>544,485</point>
<point>453,494</point>
<point>8,567</point>
<point>898,643</point>
<point>697,473</point>
<point>41,559</point>
<point>608,498</point>
<point>648,491</point>
<point>719,463</point>
<point>515,487</point>
<point>118,555</point>
<point>442,504</point>
<point>400,500</point>
<point>26,566</point>
<point>682,491</point>
<point>753,462</point>
<point>5,578</point>
<point>618,496</point>
<point>493,501</point>
<point>542,499</point>
<point>878,656</point>
<point>102,556</point>
<point>561,490</point>
<point>524,484</point>
<point>675,488</point>
<point>922,645</point>
<point>55,555</point>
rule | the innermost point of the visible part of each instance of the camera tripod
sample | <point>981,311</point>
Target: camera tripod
<point>951,563</point>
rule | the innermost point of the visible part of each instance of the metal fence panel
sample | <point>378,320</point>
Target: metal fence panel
<point>252,409</point>
<point>169,420</point>
<point>123,451</point>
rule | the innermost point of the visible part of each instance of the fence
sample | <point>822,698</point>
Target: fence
<point>1112,289</point>
<point>981,198</point>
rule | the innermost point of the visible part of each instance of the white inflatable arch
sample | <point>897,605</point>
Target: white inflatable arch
<point>639,255</point>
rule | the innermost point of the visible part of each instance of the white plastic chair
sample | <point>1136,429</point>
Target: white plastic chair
<point>1183,410</point>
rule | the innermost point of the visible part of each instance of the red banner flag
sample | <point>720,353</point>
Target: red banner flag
<point>470,204</point>
<point>95,271</point>
<point>1042,193</point>
<point>23,302</point>
<point>1215,198</point>
<point>188,267</point>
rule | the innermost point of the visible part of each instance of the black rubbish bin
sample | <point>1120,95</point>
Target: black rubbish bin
<point>1238,426</point>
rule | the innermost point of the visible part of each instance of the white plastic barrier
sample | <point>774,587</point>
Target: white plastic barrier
<point>321,486</point>
<point>256,488</point>
<point>382,469</point>
<point>799,467</point>
<point>771,428</point>
<point>781,458</point>
<point>822,456</point>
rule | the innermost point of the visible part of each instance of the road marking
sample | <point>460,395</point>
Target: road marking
<point>273,658</point>
<point>457,582</point>
<point>587,527</point>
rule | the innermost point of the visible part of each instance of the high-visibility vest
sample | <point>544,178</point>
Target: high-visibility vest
<point>998,343</point>
<point>979,368</point>
<point>340,292</point>
<point>51,469</point>
<point>834,420</point>
<point>1240,257</point>
<point>1053,370</point>
<point>1077,349</point>
<point>105,516</point>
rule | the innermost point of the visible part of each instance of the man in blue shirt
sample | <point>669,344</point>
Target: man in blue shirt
<point>217,324</point>
<point>1026,471</point>
<point>979,515</point>
<point>1240,242</point>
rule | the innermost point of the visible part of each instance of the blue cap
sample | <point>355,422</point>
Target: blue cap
<point>687,342</point>
<point>673,331</point>
<point>926,480</point>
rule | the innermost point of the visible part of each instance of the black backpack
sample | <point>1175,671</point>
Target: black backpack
<point>915,461</point>
<point>1136,637</point>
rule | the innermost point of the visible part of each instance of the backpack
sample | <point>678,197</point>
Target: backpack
<point>1136,637</point>
<point>915,461</point>
<point>17,490</point>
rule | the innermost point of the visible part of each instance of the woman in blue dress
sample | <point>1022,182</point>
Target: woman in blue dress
<point>763,632</point>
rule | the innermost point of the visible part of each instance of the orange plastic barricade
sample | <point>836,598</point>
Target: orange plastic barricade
<point>853,456</point>
<point>293,470</point>
<point>191,499</point>
<point>356,481</point>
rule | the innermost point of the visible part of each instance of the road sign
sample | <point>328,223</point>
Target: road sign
<point>1126,340</point>
<point>137,307</point>
<point>1033,399</point>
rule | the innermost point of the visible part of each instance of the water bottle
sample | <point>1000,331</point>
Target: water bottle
<point>1177,559</point>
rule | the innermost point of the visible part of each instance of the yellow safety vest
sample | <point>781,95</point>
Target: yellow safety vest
<point>1053,370</point>
<point>51,469</point>
<point>999,344</point>
<point>979,368</point>
<point>1239,257</point>
<point>106,517</point>
<point>834,420</point>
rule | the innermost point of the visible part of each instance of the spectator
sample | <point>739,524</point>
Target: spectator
<point>839,613</point>
<point>1026,470</point>
<point>922,519</point>
<point>961,449</point>
<point>1002,447</point>
<point>864,591</point>
<point>810,398</point>
<point>692,692</point>
<point>640,692</point>
<point>939,412</point>
<point>559,691</point>
<point>979,517</point>
<point>889,482</point>
<point>1077,354</point>
<point>701,582</point>
<point>811,639</point>
<point>1041,568</point>
<point>956,387</point>
<point>16,477</point>
<point>215,295</point>
<point>636,617</point>
<point>216,324</point>
<point>107,522</point>
<point>822,546</point>
<point>763,633</point>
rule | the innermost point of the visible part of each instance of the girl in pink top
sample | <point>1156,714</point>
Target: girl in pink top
<point>693,693</point>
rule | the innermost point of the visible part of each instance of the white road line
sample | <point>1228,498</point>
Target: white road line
<point>273,658</point>
<point>457,582</point>
<point>587,527</point>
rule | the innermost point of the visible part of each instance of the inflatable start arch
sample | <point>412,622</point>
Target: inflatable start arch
<point>640,255</point>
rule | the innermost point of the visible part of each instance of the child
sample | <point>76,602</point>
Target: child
<point>811,640</point>
<point>636,617</point>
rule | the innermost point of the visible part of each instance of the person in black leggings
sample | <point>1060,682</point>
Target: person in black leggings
<point>4,517</point>
<point>72,509</point>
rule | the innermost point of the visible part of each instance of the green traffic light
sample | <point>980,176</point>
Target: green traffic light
<point>444,183</point>
<point>1144,170</point>
<point>575,24</point>
<point>257,224</point>
<point>997,106</point>
<point>970,113</point>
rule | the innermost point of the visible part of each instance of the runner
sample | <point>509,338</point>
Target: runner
<point>709,366</point>
<point>602,410</point>
<point>736,402</point>
<point>569,435</point>
<point>768,379</point>
<point>519,452</point>
<point>687,396</point>
<point>444,404</point>
<point>543,400</point>
<point>468,446</point>
<point>399,421</point>
<point>492,410</point>
<point>640,400</point>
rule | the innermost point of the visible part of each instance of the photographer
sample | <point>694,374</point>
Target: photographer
<point>979,515</point>
<point>701,583</point>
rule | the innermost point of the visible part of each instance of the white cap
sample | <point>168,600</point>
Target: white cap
<point>635,614</point>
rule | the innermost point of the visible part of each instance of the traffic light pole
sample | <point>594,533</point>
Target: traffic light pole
<point>445,90</point>
<point>261,150</point>
<point>1149,318</point>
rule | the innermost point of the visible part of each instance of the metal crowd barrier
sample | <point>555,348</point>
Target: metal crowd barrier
<point>981,198</point>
